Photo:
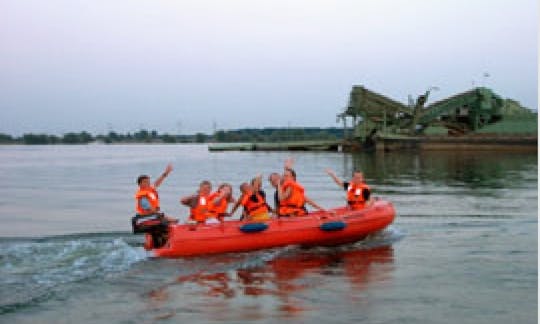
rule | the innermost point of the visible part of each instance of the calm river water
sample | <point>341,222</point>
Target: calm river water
<point>463,248</point>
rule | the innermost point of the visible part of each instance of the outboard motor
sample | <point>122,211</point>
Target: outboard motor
<point>155,225</point>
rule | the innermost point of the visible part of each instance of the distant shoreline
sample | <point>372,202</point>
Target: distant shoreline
<point>143,136</point>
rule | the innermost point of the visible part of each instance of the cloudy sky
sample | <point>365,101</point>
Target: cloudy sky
<point>187,66</point>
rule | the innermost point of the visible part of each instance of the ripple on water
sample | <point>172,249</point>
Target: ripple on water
<point>36,269</point>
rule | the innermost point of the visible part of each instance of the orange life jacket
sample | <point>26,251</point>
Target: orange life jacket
<point>151,195</point>
<point>218,210</point>
<point>254,208</point>
<point>294,204</point>
<point>200,211</point>
<point>355,196</point>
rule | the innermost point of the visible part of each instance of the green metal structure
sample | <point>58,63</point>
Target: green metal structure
<point>464,112</point>
<point>461,114</point>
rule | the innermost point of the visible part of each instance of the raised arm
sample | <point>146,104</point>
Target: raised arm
<point>190,201</point>
<point>289,164</point>
<point>236,205</point>
<point>257,182</point>
<point>283,194</point>
<point>332,174</point>
<point>313,204</point>
<point>162,177</point>
<point>222,192</point>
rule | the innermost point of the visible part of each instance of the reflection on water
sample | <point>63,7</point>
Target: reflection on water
<point>472,169</point>
<point>279,286</point>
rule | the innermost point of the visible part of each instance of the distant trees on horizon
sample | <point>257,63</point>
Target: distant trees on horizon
<point>144,136</point>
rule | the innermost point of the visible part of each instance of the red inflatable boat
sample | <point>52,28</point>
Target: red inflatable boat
<point>332,227</point>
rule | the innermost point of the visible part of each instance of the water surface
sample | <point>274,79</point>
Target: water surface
<point>463,248</point>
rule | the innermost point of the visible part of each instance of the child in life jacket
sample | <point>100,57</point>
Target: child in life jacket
<point>358,192</point>
<point>253,200</point>
<point>149,217</point>
<point>218,202</point>
<point>198,203</point>
<point>292,197</point>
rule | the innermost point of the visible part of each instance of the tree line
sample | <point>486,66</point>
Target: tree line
<point>145,136</point>
<point>278,134</point>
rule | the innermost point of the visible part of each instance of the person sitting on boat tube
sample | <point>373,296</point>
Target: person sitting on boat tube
<point>292,197</point>
<point>257,183</point>
<point>253,200</point>
<point>199,203</point>
<point>275,179</point>
<point>218,202</point>
<point>358,192</point>
<point>147,199</point>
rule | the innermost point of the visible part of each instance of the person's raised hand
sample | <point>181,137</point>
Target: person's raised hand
<point>289,163</point>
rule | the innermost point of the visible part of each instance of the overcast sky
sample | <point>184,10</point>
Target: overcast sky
<point>181,66</point>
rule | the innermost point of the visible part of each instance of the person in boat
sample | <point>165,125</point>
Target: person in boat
<point>253,200</point>
<point>275,179</point>
<point>218,203</point>
<point>198,203</point>
<point>292,197</point>
<point>147,207</point>
<point>147,199</point>
<point>256,183</point>
<point>358,192</point>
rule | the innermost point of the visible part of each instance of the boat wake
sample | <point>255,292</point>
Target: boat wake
<point>36,270</point>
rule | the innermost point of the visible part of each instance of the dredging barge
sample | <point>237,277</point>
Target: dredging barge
<point>477,119</point>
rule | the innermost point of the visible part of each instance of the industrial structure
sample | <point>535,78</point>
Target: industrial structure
<point>477,119</point>
<point>463,118</point>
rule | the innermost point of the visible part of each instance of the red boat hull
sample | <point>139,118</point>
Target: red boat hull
<point>309,230</point>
